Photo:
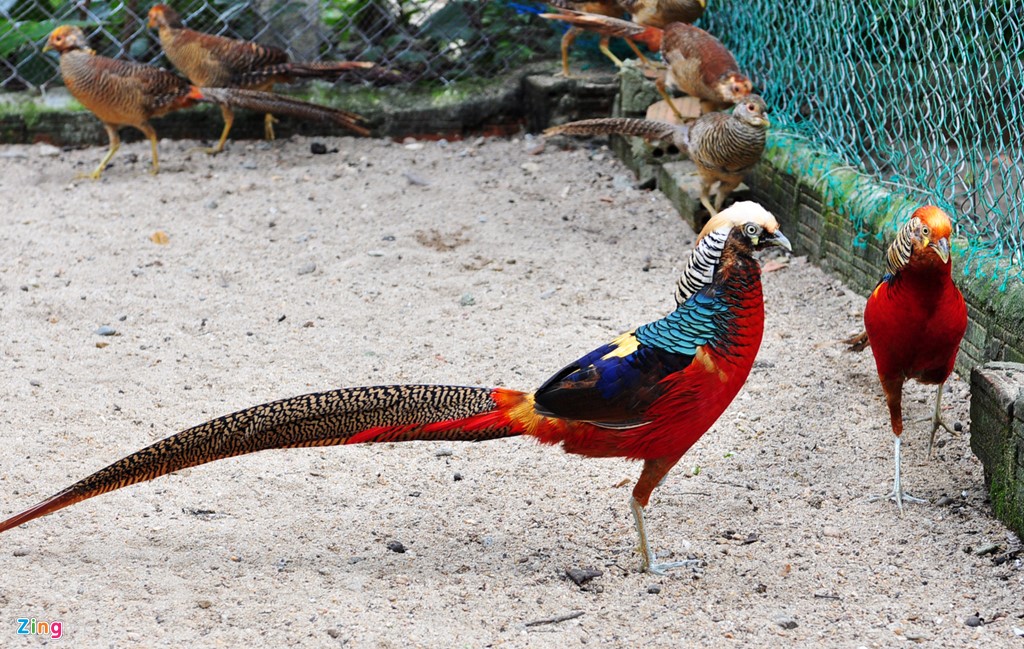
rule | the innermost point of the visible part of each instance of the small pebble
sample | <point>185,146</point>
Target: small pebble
<point>35,383</point>
<point>334,633</point>
<point>210,204</point>
<point>958,427</point>
<point>530,167</point>
<point>396,546</point>
<point>580,576</point>
<point>307,268</point>
<point>375,253</point>
<point>987,548</point>
<point>457,477</point>
<point>443,452</point>
<point>250,164</point>
<point>653,589</point>
<point>21,552</point>
<point>204,603</point>
<point>106,330</point>
<point>318,148</point>
<point>467,300</point>
<point>974,620</point>
<point>47,150</point>
<point>785,621</point>
<point>415,179</point>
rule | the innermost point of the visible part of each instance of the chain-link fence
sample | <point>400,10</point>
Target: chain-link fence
<point>428,40</point>
<point>923,94</point>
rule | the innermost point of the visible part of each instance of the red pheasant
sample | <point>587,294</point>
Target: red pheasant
<point>915,320</point>
<point>648,395</point>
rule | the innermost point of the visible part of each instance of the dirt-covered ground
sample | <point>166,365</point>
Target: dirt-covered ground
<point>474,263</point>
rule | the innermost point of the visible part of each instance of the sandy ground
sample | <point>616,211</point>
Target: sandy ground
<point>465,263</point>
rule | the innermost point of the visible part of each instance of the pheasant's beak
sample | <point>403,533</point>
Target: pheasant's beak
<point>778,239</point>
<point>941,248</point>
<point>48,46</point>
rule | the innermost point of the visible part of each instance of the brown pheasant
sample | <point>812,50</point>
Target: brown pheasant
<point>609,8</point>
<point>698,64</point>
<point>654,13</point>
<point>218,61</point>
<point>723,146</point>
<point>123,93</point>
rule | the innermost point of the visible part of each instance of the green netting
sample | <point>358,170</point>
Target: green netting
<point>923,96</point>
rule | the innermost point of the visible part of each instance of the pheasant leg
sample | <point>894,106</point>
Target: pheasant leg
<point>897,494</point>
<point>647,558</point>
<point>115,144</point>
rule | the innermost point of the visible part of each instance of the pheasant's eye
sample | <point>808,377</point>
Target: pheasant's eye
<point>752,108</point>
<point>925,230</point>
<point>750,229</point>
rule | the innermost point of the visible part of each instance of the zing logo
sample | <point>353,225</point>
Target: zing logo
<point>29,626</point>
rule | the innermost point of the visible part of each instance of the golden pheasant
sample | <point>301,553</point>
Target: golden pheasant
<point>217,61</point>
<point>723,146</point>
<point>915,320</point>
<point>123,93</point>
<point>697,62</point>
<point>650,13</point>
<point>648,395</point>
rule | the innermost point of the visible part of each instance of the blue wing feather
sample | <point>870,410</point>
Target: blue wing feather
<point>614,384</point>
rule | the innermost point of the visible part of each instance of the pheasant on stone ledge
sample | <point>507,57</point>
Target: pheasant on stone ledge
<point>644,13</point>
<point>698,64</point>
<point>723,146</point>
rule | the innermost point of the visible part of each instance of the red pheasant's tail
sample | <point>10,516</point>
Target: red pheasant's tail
<point>348,416</point>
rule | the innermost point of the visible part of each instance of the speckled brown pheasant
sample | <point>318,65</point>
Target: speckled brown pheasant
<point>123,93</point>
<point>218,61</point>
<point>723,146</point>
<point>653,13</point>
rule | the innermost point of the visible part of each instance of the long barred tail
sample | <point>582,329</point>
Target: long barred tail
<point>258,76</point>
<point>348,416</point>
<point>268,102</point>
<point>597,23</point>
<point>646,128</point>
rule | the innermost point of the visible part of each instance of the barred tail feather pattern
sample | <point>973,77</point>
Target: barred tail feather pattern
<point>597,23</point>
<point>346,416</point>
<point>645,128</point>
<point>267,102</point>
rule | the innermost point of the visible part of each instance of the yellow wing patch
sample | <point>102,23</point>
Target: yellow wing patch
<point>625,345</point>
<point>709,364</point>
